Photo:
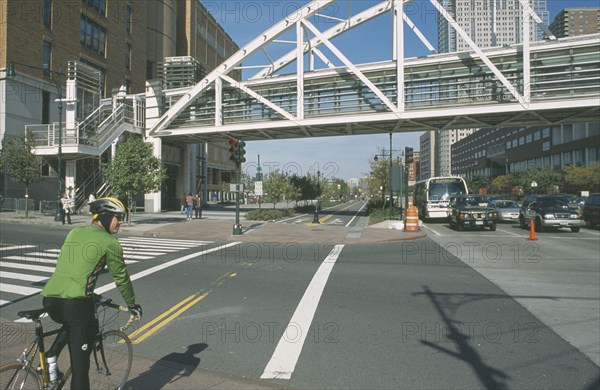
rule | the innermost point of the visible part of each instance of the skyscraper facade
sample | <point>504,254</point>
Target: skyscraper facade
<point>488,23</point>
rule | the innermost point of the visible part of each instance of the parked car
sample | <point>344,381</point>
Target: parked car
<point>549,211</point>
<point>508,210</point>
<point>591,210</point>
<point>471,211</point>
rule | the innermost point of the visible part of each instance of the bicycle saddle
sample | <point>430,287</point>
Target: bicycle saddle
<point>31,314</point>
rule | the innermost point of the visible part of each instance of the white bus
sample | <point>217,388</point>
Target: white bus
<point>432,196</point>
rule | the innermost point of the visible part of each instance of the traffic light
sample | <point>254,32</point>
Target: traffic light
<point>241,152</point>
<point>408,155</point>
<point>233,150</point>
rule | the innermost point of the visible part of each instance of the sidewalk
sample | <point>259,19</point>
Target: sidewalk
<point>165,374</point>
<point>173,224</point>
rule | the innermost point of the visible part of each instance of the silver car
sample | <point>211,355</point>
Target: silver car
<point>508,210</point>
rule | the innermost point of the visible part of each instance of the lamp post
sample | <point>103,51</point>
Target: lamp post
<point>10,71</point>
<point>316,215</point>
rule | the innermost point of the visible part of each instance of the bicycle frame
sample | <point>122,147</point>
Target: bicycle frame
<point>27,358</point>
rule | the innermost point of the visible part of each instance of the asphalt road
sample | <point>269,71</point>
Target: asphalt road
<point>386,316</point>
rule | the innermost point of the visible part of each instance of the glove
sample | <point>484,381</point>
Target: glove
<point>136,311</point>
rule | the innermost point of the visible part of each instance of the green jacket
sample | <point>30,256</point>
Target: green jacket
<point>87,250</point>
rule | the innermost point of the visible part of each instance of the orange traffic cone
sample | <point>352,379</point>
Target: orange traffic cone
<point>532,236</point>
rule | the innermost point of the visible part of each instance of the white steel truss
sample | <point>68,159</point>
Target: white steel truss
<point>308,41</point>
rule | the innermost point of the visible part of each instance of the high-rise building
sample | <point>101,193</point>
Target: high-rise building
<point>120,47</point>
<point>576,21</point>
<point>488,23</point>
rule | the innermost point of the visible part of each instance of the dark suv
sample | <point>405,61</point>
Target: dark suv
<point>471,211</point>
<point>591,210</point>
<point>549,211</point>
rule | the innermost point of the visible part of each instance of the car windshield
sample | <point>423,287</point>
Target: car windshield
<point>505,204</point>
<point>551,202</point>
<point>472,201</point>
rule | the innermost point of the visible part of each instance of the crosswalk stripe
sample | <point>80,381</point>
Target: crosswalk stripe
<point>164,240</point>
<point>20,276</point>
<point>27,266</point>
<point>14,247</point>
<point>53,261</point>
<point>20,290</point>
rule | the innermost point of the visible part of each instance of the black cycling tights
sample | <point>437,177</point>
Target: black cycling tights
<point>79,328</point>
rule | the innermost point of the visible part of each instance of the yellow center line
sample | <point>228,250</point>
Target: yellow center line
<point>326,217</point>
<point>157,323</point>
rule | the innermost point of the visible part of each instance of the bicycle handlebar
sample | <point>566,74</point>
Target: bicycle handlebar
<point>102,301</point>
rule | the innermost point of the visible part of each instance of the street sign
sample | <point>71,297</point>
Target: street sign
<point>258,188</point>
<point>232,187</point>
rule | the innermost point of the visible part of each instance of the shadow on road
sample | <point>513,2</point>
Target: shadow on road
<point>169,369</point>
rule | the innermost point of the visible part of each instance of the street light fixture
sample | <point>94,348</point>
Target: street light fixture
<point>55,77</point>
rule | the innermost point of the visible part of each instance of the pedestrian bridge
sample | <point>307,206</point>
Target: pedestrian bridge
<point>538,83</point>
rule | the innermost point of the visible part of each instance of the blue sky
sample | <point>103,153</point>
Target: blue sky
<point>342,157</point>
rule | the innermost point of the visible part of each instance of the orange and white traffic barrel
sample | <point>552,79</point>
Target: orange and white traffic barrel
<point>412,219</point>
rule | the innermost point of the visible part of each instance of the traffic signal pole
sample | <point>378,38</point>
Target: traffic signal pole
<point>238,151</point>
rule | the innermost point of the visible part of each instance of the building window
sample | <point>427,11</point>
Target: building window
<point>46,57</point>
<point>98,5</point>
<point>128,18</point>
<point>48,13</point>
<point>149,70</point>
<point>92,35</point>
<point>45,107</point>
<point>128,56</point>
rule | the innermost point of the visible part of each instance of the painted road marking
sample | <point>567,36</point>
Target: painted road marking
<point>287,352</point>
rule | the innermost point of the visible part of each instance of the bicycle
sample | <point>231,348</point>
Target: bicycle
<point>112,355</point>
<point>48,207</point>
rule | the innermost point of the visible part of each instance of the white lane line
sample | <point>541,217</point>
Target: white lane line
<point>189,243</point>
<point>20,290</point>
<point>356,215</point>
<point>2,302</point>
<point>431,230</point>
<point>168,264</point>
<point>20,276</point>
<point>286,354</point>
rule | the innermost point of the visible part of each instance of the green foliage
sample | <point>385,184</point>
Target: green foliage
<point>268,214</point>
<point>583,177</point>
<point>477,182</point>
<point>134,170</point>
<point>279,188</point>
<point>18,160</point>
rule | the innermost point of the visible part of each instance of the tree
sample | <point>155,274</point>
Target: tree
<point>501,184</point>
<point>17,160</point>
<point>477,182</point>
<point>134,170</point>
<point>585,178</point>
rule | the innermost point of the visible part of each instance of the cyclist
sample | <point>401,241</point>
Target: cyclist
<point>69,294</point>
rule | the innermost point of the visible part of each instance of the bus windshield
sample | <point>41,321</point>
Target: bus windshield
<point>443,190</point>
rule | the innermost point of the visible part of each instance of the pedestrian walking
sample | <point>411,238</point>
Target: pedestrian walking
<point>66,208</point>
<point>183,203</point>
<point>189,201</point>
<point>197,206</point>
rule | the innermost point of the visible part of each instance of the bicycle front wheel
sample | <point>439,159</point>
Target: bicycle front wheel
<point>17,375</point>
<point>113,356</point>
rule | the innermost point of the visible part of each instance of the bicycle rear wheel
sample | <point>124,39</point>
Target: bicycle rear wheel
<point>17,375</point>
<point>113,356</point>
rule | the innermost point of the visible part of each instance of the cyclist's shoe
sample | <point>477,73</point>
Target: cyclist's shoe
<point>54,384</point>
